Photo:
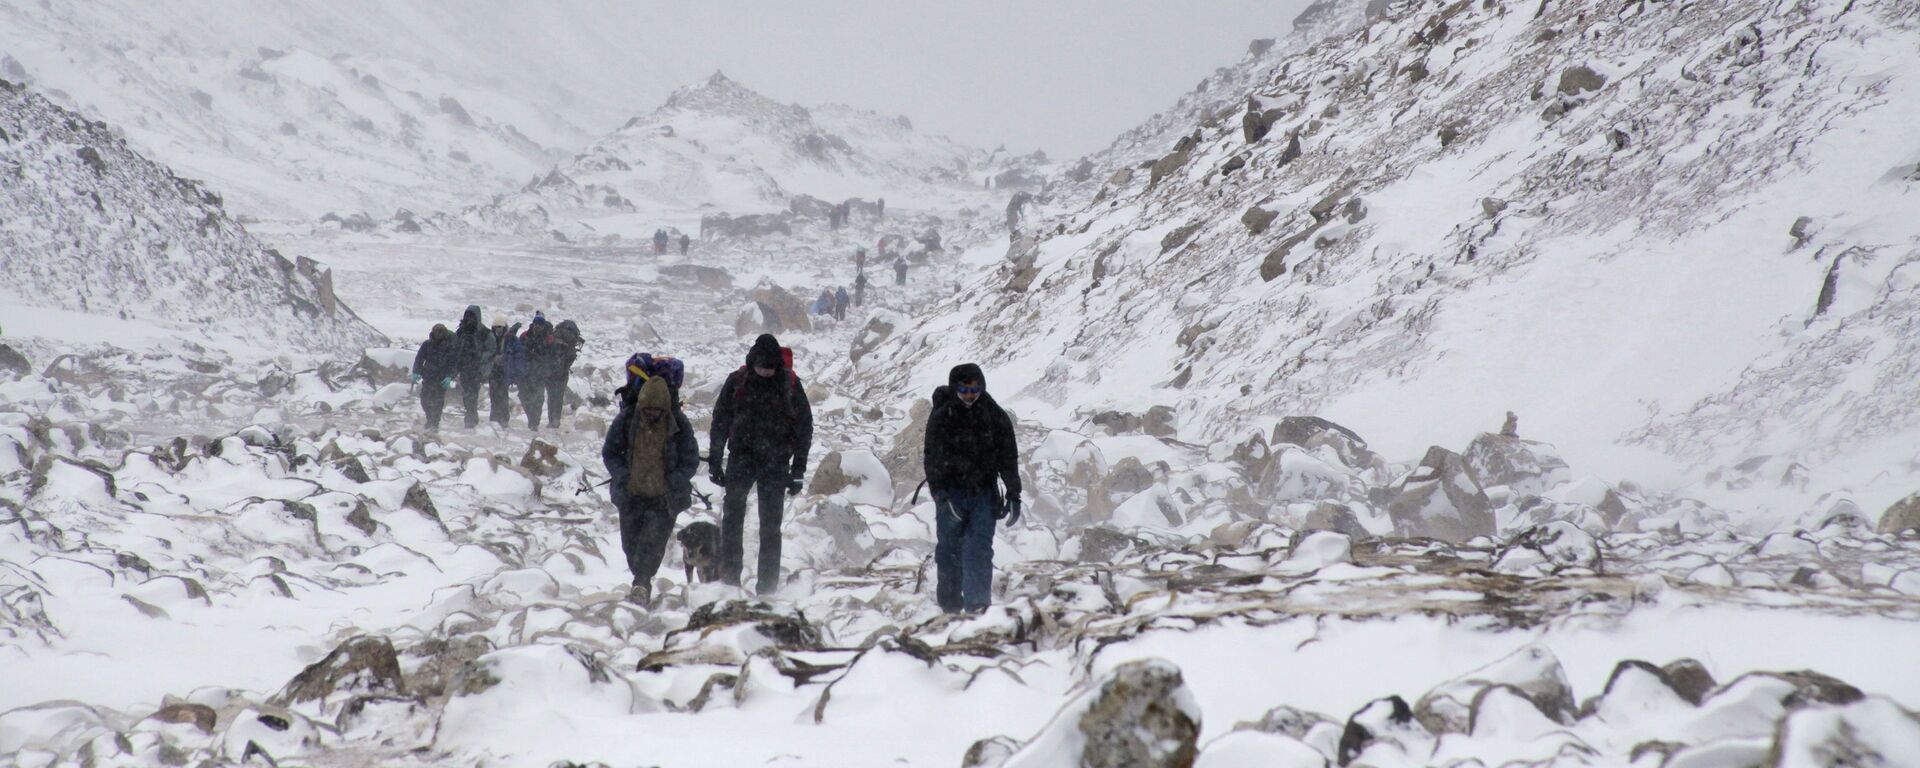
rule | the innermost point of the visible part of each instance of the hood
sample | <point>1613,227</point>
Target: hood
<point>967,372</point>
<point>654,394</point>
<point>439,332</point>
<point>766,352</point>
<point>470,318</point>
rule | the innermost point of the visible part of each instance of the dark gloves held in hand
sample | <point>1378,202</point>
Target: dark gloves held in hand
<point>794,486</point>
<point>1011,511</point>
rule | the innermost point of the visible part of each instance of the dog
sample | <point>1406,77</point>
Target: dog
<point>700,544</point>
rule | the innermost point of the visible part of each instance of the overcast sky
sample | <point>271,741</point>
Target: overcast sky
<point>1066,76</point>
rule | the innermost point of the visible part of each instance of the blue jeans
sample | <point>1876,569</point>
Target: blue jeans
<point>963,552</point>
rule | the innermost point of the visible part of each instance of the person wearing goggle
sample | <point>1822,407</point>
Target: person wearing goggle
<point>970,454</point>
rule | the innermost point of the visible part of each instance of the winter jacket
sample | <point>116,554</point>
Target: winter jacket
<point>510,357</point>
<point>766,422</point>
<point>682,459</point>
<point>548,357</point>
<point>473,344</point>
<point>968,447</point>
<point>436,358</point>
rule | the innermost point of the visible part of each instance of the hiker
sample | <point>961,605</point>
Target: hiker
<point>566,335</point>
<point>824,304</point>
<point>859,259</point>
<point>969,445</point>
<point>659,242</point>
<point>433,369</point>
<point>880,209</point>
<point>900,270</point>
<point>651,455</point>
<point>474,347</point>
<point>860,289</point>
<point>840,303</point>
<point>684,242</point>
<point>762,431</point>
<point>542,353</point>
<point>508,365</point>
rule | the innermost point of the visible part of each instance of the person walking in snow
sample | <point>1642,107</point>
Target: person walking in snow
<point>659,242</point>
<point>651,455</point>
<point>824,304</point>
<point>859,259</point>
<point>474,348</point>
<point>762,432</point>
<point>860,289</point>
<point>900,270</point>
<point>840,303</point>
<point>543,353</point>
<point>969,446</point>
<point>508,366</point>
<point>434,366</point>
<point>684,242</point>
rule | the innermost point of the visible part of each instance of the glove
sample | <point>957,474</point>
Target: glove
<point>794,486</point>
<point>447,382</point>
<point>1012,511</point>
<point>416,378</point>
<point>718,477</point>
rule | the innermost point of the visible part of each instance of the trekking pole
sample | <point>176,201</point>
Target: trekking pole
<point>916,493</point>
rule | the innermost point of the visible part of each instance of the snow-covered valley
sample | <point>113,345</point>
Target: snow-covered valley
<point>1259,532</point>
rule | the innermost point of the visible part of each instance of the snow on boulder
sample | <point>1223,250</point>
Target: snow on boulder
<point>498,479</point>
<point>858,474</point>
<point>537,689</point>
<point>1439,499</point>
<point>1140,715</point>
<point>1296,475</point>
<point>1871,733</point>
<point>390,395</point>
<point>59,727</point>
<point>1385,731</point>
<point>1533,671</point>
<point>1313,433</point>
<point>275,735</point>
<point>1319,550</point>
<point>361,665</point>
<point>1903,516</point>
<point>1526,466</point>
<point>1241,749</point>
<point>1550,548</point>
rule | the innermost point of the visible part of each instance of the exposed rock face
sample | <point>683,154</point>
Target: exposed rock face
<point>722,226</point>
<point>1526,466</point>
<point>362,665</point>
<point>785,310</point>
<point>828,478</point>
<point>1311,432</point>
<point>1440,499</point>
<point>1903,516</point>
<point>1142,717</point>
<point>713,278</point>
<point>877,330</point>
<point>1533,671</point>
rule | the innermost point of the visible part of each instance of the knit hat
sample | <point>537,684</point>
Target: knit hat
<point>766,353</point>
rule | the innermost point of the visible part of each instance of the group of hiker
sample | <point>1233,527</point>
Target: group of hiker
<point>537,361</point>
<point>662,240</point>
<point>761,433</point>
<point>834,302</point>
<point>842,213</point>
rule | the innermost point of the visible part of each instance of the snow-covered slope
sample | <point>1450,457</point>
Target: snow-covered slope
<point>88,226</point>
<point>1615,220</point>
<point>294,110</point>
<point>720,146</point>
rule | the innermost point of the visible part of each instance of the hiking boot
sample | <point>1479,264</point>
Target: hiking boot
<point>640,594</point>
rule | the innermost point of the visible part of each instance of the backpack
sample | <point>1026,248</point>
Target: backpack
<point>644,366</point>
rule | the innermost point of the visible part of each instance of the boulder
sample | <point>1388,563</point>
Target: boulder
<point>1141,715</point>
<point>1874,732</point>
<point>787,628</point>
<point>13,363</point>
<point>1580,79</point>
<point>1159,421</point>
<point>721,226</point>
<point>542,459</point>
<point>1258,219</point>
<point>1386,724</point>
<point>903,459</point>
<point>1127,477</point>
<point>1336,517</point>
<point>1172,161</point>
<point>1311,432</point>
<point>1526,466</point>
<point>878,329</point>
<point>1903,516</point>
<point>784,308</point>
<point>1533,671</point>
<point>713,278</point>
<point>364,664</point>
<point>1439,499</point>
<point>1116,422</point>
<point>828,478</point>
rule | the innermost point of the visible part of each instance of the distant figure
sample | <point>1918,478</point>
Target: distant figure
<point>550,357</point>
<point>824,304</point>
<point>840,303</point>
<point>684,242</point>
<point>433,369</point>
<point>1512,426</point>
<point>859,259</point>
<point>860,289</point>
<point>880,209</point>
<point>659,242</point>
<point>900,270</point>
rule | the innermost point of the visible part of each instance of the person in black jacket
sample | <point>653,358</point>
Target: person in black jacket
<point>651,456</point>
<point>509,363</point>
<point>433,369</point>
<point>473,345</point>
<point>970,445</point>
<point>543,357</point>
<point>762,431</point>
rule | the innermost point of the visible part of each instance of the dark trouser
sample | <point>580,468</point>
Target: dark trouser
<point>860,297</point>
<point>733,526</point>
<point>533,395</point>
<point>433,397</point>
<point>963,552</point>
<point>556,397</point>
<point>899,278</point>
<point>499,407</point>
<point>470,397</point>
<point>645,527</point>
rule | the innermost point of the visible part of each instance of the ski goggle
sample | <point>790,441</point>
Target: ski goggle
<point>969,390</point>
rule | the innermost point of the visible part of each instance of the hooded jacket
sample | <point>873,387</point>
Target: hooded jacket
<point>969,447</point>
<point>436,358</point>
<point>681,456</point>
<point>473,344</point>
<point>766,423</point>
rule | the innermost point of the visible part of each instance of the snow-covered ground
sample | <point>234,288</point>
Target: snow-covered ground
<point>218,547</point>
